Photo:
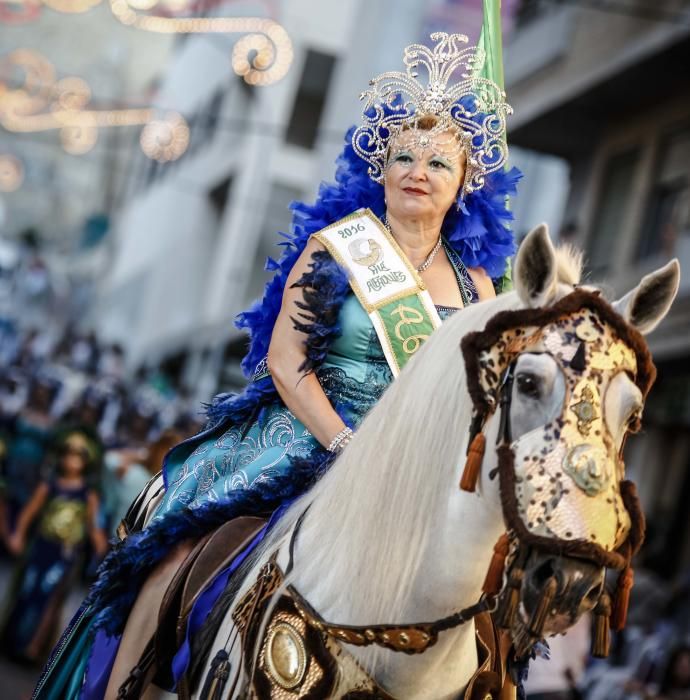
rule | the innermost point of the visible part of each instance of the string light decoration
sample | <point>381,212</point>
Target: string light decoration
<point>35,74</point>
<point>11,173</point>
<point>42,103</point>
<point>70,6</point>
<point>262,57</point>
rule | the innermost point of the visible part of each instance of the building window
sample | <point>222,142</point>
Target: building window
<point>529,10</point>
<point>614,197</point>
<point>310,99</point>
<point>667,218</point>
<point>218,196</point>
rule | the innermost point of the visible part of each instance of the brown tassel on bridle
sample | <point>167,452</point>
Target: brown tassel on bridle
<point>601,638</point>
<point>621,599</point>
<point>494,576</point>
<point>541,612</point>
<point>473,464</point>
<point>508,607</point>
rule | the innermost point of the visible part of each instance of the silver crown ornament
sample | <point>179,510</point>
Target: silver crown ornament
<point>470,107</point>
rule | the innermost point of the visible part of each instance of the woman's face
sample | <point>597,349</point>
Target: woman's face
<point>73,462</point>
<point>422,182</point>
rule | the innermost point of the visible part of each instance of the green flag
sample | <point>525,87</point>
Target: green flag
<point>491,41</point>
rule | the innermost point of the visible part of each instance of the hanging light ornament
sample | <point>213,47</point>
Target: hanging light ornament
<point>11,173</point>
<point>261,57</point>
<point>36,77</point>
<point>165,139</point>
<point>41,103</point>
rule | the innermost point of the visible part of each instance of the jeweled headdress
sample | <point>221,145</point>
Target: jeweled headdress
<point>473,106</point>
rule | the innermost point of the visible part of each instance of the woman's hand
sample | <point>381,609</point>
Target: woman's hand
<point>17,540</point>
<point>301,393</point>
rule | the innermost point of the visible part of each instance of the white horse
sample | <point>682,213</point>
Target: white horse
<point>386,536</point>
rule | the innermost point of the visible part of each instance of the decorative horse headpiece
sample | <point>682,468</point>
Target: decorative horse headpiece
<point>562,483</point>
<point>469,114</point>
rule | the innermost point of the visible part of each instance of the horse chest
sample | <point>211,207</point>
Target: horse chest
<point>286,656</point>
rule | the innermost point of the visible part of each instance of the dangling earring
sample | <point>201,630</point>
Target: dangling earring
<point>460,204</point>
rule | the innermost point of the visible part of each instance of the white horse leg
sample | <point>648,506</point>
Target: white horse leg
<point>143,619</point>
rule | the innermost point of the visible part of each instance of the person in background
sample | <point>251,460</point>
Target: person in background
<point>30,437</point>
<point>129,470</point>
<point>64,510</point>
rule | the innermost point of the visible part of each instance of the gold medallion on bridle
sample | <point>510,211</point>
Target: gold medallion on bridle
<point>585,410</point>
<point>286,656</point>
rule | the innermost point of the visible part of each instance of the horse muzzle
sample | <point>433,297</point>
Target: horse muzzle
<point>557,591</point>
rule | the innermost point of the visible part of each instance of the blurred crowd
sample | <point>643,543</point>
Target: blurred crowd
<point>78,441</point>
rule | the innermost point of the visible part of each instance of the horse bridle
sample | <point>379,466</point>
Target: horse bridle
<point>581,325</point>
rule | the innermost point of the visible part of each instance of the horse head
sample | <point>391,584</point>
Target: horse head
<point>561,382</point>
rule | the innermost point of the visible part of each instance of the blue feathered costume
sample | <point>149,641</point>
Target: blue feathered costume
<point>254,456</point>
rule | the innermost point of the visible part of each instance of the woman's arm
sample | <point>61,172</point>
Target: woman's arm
<point>302,393</point>
<point>26,517</point>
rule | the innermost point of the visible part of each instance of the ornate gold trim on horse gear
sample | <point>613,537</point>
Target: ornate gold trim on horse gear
<point>300,656</point>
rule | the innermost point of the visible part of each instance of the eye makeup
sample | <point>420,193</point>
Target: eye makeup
<point>404,157</point>
<point>435,161</point>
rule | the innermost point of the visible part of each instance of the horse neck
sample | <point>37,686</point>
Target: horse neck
<point>449,578</point>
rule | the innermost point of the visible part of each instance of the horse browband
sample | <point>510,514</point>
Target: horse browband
<point>413,638</point>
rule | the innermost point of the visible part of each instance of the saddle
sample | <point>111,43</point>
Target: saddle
<point>211,554</point>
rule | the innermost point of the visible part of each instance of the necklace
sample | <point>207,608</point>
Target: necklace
<point>429,258</point>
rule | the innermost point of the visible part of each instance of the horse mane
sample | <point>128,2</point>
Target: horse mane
<point>373,514</point>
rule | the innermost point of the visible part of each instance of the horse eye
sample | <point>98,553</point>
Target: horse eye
<point>528,385</point>
<point>634,422</point>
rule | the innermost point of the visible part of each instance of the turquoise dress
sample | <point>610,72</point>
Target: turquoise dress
<point>353,376</point>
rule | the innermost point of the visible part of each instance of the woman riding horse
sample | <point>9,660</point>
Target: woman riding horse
<point>414,229</point>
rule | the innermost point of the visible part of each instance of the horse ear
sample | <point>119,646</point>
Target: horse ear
<point>536,271</point>
<point>645,306</point>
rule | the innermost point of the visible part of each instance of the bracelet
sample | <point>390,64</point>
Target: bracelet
<point>341,439</point>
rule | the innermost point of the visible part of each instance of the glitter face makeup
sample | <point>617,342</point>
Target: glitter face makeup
<point>424,171</point>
